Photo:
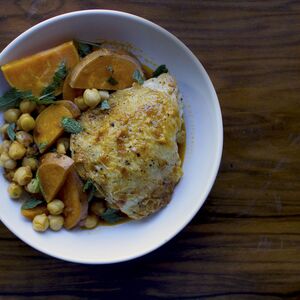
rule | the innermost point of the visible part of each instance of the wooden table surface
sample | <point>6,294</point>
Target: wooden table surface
<point>245,241</point>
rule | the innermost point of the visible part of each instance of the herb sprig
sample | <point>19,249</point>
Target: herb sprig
<point>111,216</point>
<point>31,203</point>
<point>42,146</point>
<point>11,131</point>
<point>85,47</point>
<point>13,97</point>
<point>70,125</point>
<point>90,187</point>
<point>112,80</point>
<point>138,77</point>
<point>104,105</point>
<point>58,78</point>
<point>160,70</point>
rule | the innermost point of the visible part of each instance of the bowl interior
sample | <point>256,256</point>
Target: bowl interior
<point>203,147</point>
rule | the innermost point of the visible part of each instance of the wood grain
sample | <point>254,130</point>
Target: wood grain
<point>245,241</point>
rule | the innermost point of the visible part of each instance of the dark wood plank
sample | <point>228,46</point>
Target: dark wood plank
<point>245,241</point>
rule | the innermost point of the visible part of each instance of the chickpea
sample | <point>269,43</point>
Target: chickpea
<point>23,175</point>
<point>24,138</point>
<point>61,149</point>
<point>4,130</point>
<point>80,103</point>
<point>26,122</point>
<point>4,157</point>
<point>90,222</point>
<point>1,149</point>
<point>33,186</point>
<point>31,162</point>
<point>9,175</point>
<point>6,144</point>
<point>40,223</point>
<point>6,162</point>
<point>63,145</point>
<point>14,190</point>
<point>27,106</point>
<point>104,95</point>
<point>55,207</point>
<point>16,150</point>
<point>12,115</point>
<point>56,222</point>
<point>10,164</point>
<point>91,97</point>
<point>98,208</point>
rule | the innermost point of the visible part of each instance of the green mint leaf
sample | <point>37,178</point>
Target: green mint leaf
<point>40,185</point>
<point>104,105</point>
<point>10,99</point>
<point>138,77</point>
<point>13,97</point>
<point>94,44</point>
<point>27,95</point>
<point>88,185</point>
<point>42,146</point>
<point>70,125</point>
<point>160,70</point>
<point>91,193</point>
<point>46,99</point>
<point>85,47</point>
<point>112,81</point>
<point>58,78</point>
<point>31,203</point>
<point>11,131</point>
<point>111,216</point>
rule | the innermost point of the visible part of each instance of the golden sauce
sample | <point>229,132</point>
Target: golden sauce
<point>182,146</point>
<point>124,220</point>
<point>181,151</point>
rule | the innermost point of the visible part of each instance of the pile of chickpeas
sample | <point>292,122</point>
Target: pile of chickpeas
<point>19,158</point>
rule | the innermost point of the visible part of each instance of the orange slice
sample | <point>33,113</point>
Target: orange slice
<point>71,106</point>
<point>68,92</point>
<point>48,125</point>
<point>75,200</point>
<point>34,73</point>
<point>106,70</point>
<point>52,174</point>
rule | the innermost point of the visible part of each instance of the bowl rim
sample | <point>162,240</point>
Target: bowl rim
<point>215,166</point>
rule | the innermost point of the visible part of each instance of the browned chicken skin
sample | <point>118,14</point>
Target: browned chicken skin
<point>131,151</point>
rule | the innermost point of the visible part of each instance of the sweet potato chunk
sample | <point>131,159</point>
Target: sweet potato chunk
<point>34,73</point>
<point>48,125</point>
<point>75,200</point>
<point>71,106</point>
<point>68,92</point>
<point>52,173</point>
<point>105,69</point>
<point>31,213</point>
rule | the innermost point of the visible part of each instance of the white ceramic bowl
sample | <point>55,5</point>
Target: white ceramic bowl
<point>203,119</point>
